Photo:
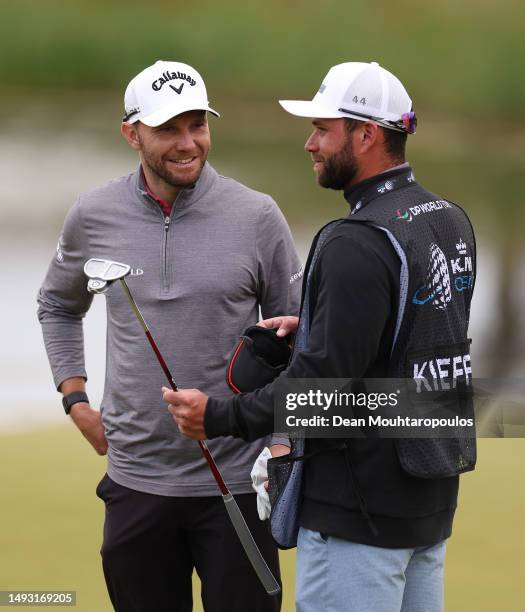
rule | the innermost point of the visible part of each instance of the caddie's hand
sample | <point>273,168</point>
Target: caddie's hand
<point>285,325</point>
<point>278,450</point>
<point>187,407</point>
<point>89,422</point>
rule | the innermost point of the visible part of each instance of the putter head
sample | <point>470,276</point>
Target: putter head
<point>102,272</point>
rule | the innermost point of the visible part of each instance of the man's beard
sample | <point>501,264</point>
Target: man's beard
<point>156,165</point>
<point>339,169</point>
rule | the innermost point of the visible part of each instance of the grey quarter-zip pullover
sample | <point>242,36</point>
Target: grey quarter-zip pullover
<point>199,277</point>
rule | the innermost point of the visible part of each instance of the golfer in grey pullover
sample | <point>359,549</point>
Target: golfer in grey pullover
<point>200,273</point>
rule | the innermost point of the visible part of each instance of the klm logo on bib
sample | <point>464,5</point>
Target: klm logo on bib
<point>462,268</point>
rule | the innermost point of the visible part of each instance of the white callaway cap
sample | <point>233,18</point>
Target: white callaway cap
<point>163,91</point>
<point>361,91</point>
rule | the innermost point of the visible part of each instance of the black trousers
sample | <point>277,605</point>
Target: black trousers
<point>152,543</point>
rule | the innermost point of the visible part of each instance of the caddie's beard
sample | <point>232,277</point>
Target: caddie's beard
<point>339,169</point>
<point>176,179</point>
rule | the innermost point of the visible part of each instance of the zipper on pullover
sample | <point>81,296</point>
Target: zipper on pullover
<point>165,230</point>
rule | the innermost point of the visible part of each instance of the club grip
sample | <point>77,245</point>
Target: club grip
<point>262,570</point>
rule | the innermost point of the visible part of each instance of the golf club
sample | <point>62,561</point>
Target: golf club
<point>101,273</point>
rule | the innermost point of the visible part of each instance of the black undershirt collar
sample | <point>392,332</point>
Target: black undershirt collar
<point>354,194</point>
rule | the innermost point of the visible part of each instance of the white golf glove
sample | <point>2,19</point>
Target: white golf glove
<point>259,476</point>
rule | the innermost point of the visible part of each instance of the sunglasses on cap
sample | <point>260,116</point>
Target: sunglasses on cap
<point>407,123</point>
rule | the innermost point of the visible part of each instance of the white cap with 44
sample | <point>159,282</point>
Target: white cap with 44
<point>362,91</point>
<point>163,91</point>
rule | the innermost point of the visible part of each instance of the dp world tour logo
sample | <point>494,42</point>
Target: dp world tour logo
<point>437,287</point>
<point>405,216</point>
<point>421,209</point>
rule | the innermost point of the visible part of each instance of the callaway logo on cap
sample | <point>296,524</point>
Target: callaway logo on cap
<point>359,91</point>
<point>163,91</point>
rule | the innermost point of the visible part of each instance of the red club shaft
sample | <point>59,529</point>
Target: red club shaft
<point>204,448</point>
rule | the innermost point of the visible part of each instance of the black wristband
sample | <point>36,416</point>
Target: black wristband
<point>73,398</point>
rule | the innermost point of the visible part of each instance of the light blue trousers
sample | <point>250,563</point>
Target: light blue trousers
<point>335,575</point>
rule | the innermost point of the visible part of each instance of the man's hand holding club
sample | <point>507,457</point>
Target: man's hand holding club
<point>187,407</point>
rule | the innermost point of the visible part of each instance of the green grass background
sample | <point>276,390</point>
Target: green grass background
<point>51,524</point>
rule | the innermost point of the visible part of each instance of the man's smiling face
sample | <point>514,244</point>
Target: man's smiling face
<point>176,151</point>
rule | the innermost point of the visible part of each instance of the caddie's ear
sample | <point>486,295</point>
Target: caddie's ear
<point>130,133</point>
<point>367,136</point>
